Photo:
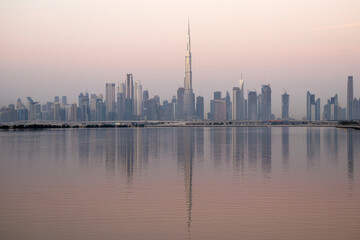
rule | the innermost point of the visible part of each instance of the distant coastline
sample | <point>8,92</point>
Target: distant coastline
<point>142,124</point>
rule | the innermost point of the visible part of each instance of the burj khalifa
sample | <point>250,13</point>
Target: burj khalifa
<point>189,97</point>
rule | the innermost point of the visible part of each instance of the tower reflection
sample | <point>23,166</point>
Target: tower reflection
<point>110,151</point>
<point>266,150</point>
<point>252,148</point>
<point>350,154</point>
<point>313,146</point>
<point>218,140</point>
<point>331,143</point>
<point>238,149</point>
<point>84,146</point>
<point>185,153</point>
<point>285,147</point>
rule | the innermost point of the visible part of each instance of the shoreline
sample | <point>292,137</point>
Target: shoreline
<point>166,124</point>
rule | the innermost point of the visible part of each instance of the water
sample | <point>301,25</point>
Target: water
<point>180,183</point>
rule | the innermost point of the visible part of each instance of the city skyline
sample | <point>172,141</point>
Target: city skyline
<point>65,56</point>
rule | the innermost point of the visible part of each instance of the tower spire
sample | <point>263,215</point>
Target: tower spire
<point>188,43</point>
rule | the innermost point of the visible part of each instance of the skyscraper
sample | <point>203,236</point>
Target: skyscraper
<point>241,99</point>
<point>73,110</point>
<point>200,108</point>
<point>312,107</point>
<point>331,109</point>
<point>120,106</point>
<point>252,105</point>
<point>110,101</point>
<point>129,97</point>
<point>138,102</point>
<point>64,101</point>
<point>189,97</point>
<point>179,110</point>
<point>350,97</point>
<point>228,106</point>
<point>285,106</point>
<point>236,111</point>
<point>266,102</point>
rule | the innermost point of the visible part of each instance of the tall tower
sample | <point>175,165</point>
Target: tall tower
<point>350,97</point>
<point>138,102</point>
<point>266,102</point>
<point>110,101</point>
<point>189,98</point>
<point>285,106</point>
<point>188,72</point>
<point>129,97</point>
<point>241,100</point>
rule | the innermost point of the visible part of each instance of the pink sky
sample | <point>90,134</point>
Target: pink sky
<point>60,48</point>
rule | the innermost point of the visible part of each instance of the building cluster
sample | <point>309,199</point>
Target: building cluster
<point>128,102</point>
<point>255,107</point>
<point>332,109</point>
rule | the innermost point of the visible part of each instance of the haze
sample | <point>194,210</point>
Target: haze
<point>54,48</point>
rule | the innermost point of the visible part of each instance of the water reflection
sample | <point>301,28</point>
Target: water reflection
<point>185,154</point>
<point>110,147</point>
<point>285,147</point>
<point>350,155</point>
<point>84,147</point>
<point>238,147</point>
<point>218,140</point>
<point>252,148</point>
<point>162,164</point>
<point>331,143</point>
<point>313,146</point>
<point>199,135</point>
<point>266,151</point>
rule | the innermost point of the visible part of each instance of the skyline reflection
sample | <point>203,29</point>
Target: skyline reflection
<point>187,179</point>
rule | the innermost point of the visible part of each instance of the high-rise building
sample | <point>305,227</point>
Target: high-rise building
<point>331,109</point>
<point>228,106</point>
<point>211,114</point>
<point>93,99</point>
<point>252,105</point>
<point>34,110</point>
<point>217,95</point>
<point>84,107</point>
<point>138,102</point>
<point>100,108</point>
<point>64,101</point>
<point>200,108</point>
<point>236,105</point>
<point>189,97</point>
<point>266,102</point>
<point>73,111</point>
<point>312,107</point>
<point>259,107</point>
<point>145,99</point>
<point>180,104</point>
<point>350,97</point>
<point>19,104</point>
<point>120,105</point>
<point>245,109</point>
<point>152,109</point>
<point>285,106</point>
<point>110,101</point>
<point>220,110</point>
<point>57,107</point>
<point>129,97</point>
<point>242,99</point>
<point>355,108</point>
<point>166,111</point>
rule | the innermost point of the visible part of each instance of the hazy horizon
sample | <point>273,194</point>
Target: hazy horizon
<point>56,48</point>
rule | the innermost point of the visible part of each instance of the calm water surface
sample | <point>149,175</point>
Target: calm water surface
<point>180,183</point>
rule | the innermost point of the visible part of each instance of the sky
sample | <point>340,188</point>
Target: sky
<point>53,48</point>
